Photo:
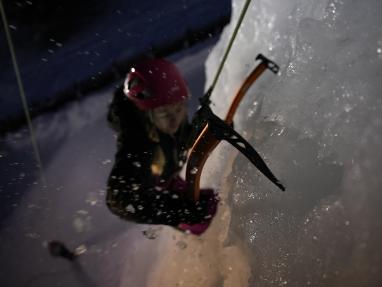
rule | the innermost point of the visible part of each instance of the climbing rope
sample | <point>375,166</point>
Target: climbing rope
<point>228,49</point>
<point>22,94</point>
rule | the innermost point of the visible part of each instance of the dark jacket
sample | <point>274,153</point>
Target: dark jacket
<point>140,186</point>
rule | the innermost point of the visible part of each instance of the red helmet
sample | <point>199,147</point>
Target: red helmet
<point>154,83</point>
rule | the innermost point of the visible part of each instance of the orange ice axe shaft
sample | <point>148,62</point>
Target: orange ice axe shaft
<point>216,130</point>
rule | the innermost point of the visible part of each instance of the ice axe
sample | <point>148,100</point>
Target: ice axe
<point>213,130</point>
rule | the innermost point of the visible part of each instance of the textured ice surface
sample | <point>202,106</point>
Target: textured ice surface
<point>319,126</point>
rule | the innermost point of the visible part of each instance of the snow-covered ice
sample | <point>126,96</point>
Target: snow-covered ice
<point>318,124</point>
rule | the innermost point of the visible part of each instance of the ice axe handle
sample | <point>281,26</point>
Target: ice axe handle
<point>270,64</point>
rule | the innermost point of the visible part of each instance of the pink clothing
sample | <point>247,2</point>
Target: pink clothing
<point>200,228</point>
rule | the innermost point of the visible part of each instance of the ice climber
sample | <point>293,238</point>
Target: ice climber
<point>149,115</point>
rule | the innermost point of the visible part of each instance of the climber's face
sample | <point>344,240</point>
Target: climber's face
<point>169,118</point>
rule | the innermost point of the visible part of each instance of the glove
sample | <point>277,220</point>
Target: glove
<point>207,196</point>
<point>175,184</point>
<point>212,205</point>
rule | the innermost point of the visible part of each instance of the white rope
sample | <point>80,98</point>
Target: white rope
<point>22,93</point>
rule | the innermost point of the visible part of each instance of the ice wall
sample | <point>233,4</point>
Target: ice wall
<point>319,126</point>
